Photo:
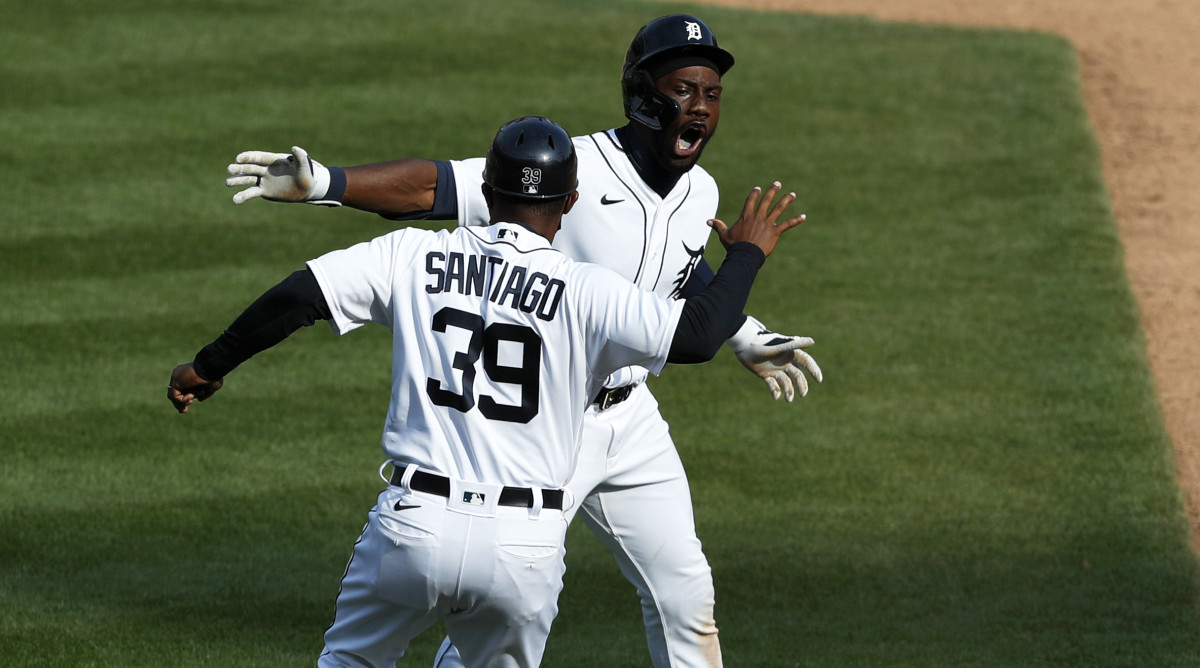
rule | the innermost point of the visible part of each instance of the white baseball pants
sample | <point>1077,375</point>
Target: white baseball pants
<point>492,572</point>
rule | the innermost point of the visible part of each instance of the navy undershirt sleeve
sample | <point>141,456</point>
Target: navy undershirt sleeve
<point>714,315</point>
<point>295,302</point>
<point>337,184</point>
<point>445,199</point>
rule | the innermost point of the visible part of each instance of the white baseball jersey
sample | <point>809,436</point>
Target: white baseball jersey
<point>619,222</point>
<point>499,344</point>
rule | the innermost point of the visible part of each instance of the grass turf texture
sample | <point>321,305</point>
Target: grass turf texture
<point>982,480</point>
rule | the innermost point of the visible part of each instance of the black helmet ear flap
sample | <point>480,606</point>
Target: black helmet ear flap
<point>645,104</point>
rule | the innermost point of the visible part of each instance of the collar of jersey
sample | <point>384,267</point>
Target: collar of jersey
<point>516,235</point>
<point>615,150</point>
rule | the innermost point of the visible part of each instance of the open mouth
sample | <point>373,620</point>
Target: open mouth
<point>689,141</point>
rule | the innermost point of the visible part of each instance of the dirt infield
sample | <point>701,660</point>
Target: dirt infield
<point>1140,66</point>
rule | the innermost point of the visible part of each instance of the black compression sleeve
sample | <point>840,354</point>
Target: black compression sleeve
<point>701,276</point>
<point>295,302</point>
<point>712,316</point>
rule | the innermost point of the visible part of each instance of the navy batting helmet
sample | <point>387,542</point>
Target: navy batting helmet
<point>532,157</point>
<point>669,38</point>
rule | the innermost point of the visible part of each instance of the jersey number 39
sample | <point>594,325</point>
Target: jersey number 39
<point>485,342</point>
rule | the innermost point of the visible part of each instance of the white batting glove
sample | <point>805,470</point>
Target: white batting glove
<point>280,177</point>
<point>777,359</point>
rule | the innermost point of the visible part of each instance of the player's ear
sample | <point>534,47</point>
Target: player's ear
<point>570,201</point>
<point>487,195</point>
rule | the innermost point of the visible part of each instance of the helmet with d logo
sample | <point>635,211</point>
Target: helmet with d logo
<point>665,39</point>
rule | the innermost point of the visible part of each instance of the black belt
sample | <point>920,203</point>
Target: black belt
<point>611,396</point>
<point>520,497</point>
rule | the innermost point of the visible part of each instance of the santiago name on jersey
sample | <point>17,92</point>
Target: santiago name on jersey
<point>499,344</point>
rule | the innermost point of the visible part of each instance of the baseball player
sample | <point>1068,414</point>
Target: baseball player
<point>500,342</point>
<point>643,200</point>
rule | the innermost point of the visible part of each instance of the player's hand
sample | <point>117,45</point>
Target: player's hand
<point>757,224</point>
<point>778,359</point>
<point>280,177</point>
<point>187,387</point>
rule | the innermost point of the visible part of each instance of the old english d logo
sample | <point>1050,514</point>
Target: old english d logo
<point>693,30</point>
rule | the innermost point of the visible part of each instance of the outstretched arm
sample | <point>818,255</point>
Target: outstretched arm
<point>389,188</point>
<point>397,188</point>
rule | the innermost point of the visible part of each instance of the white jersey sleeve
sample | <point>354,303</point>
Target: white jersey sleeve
<point>468,182</point>
<point>357,281</point>
<point>626,325</point>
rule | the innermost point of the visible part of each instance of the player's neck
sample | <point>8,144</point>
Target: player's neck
<point>654,174</point>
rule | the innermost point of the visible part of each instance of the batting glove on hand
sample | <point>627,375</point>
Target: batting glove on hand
<point>777,359</point>
<point>280,177</point>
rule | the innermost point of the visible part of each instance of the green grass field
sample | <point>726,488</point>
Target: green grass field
<point>982,480</point>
